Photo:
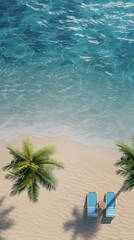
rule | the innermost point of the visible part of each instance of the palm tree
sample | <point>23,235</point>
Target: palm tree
<point>126,164</point>
<point>30,168</point>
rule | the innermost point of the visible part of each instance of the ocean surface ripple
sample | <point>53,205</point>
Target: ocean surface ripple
<point>67,68</point>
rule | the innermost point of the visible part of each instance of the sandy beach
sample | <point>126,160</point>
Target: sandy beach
<point>60,214</point>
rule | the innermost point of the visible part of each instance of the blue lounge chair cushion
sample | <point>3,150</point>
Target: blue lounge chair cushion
<point>92,204</point>
<point>111,204</point>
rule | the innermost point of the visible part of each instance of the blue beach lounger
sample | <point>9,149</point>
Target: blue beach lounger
<point>110,205</point>
<point>92,209</point>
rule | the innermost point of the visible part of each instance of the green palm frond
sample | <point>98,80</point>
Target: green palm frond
<point>133,141</point>
<point>27,148</point>
<point>55,163</point>
<point>45,152</point>
<point>121,172</point>
<point>16,168</point>
<point>29,168</point>
<point>50,161</point>
<point>126,149</point>
<point>47,179</point>
<point>22,183</point>
<point>16,153</point>
<point>129,183</point>
<point>27,181</point>
<point>11,177</point>
<point>14,190</point>
<point>119,163</point>
<point>7,167</point>
<point>17,187</point>
<point>126,165</point>
<point>33,192</point>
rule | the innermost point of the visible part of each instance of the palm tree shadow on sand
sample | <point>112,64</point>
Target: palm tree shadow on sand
<point>82,225</point>
<point>5,221</point>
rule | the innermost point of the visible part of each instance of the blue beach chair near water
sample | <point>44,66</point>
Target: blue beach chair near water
<point>92,209</point>
<point>110,204</point>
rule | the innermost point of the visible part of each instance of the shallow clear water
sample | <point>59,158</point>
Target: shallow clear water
<point>67,68</point>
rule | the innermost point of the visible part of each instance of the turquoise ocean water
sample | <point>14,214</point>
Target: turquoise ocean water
<point>67,68</point>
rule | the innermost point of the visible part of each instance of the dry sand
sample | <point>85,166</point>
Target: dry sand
<point>60,214</point>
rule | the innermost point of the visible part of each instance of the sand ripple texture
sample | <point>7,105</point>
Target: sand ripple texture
<point>61,214</point>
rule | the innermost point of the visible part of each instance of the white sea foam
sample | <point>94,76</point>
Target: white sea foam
<point>67,69</point>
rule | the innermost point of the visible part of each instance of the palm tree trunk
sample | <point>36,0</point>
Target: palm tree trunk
<point>120,191</point>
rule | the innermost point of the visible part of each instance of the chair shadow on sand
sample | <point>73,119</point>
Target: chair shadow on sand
<point>5,221</point>
<point>82,225</point>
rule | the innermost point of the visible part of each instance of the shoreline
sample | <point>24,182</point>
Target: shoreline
<point>37,142</point>
<point>56,133</point>
<point>86,169</point>
<point>69,138</point>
